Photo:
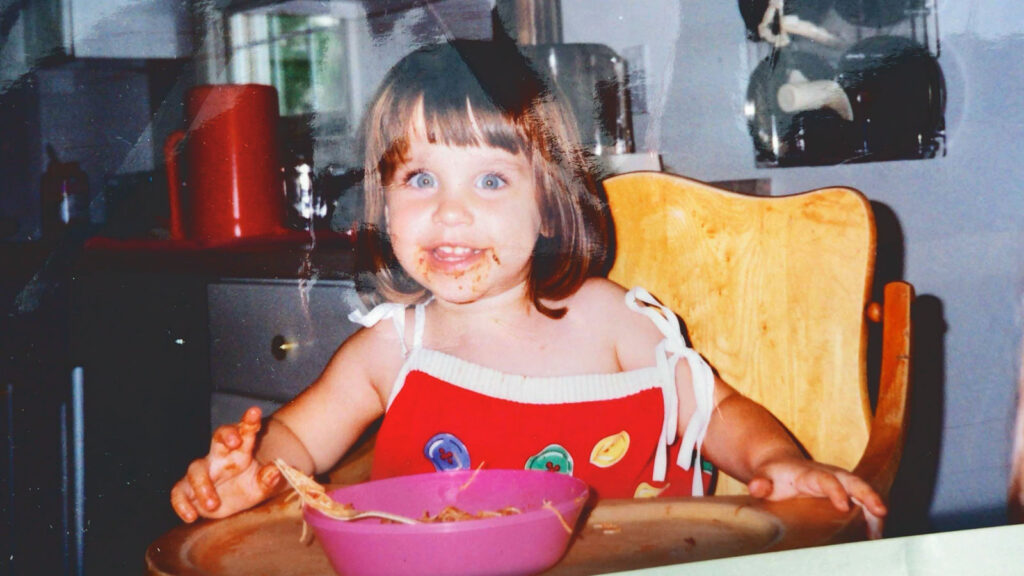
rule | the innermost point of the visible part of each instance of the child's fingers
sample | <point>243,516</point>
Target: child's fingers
<point>251,421</point>
<point>181,501</point>
<point>241,436</point>
<point>830,487</point>
<point>875,505</point>
<point>233,436</point>
<point>248,427</point>
<point>225,439</point>
<point>203,490</point>
<point>269,476</point>
<point>862,493</point>
<point>760,487</point>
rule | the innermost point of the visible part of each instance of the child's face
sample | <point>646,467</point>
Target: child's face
<point>463,221</point>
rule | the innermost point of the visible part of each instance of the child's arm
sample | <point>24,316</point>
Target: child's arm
<point>750,444</point>
<point>311,433</point>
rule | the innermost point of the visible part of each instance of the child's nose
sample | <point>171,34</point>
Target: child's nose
<point>453,209</point>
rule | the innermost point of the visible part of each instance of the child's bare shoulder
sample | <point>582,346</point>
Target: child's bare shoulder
<point>380,335</point>
<point>376,350</point>
<point>599,292</point>
<point>634,335</point>
<point>602,298</point>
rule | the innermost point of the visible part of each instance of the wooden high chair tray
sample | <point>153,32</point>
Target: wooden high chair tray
<point>618,535</point>
<point>263,540</point>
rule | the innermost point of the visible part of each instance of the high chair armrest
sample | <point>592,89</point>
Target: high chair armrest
<point>882,454</point>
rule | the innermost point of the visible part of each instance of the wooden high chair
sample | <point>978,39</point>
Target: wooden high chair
<point>774,293</point>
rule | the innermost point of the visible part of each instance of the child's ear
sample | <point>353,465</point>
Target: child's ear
<point>387,222</point>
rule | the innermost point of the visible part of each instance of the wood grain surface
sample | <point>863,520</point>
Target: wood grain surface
<point>772,291</point>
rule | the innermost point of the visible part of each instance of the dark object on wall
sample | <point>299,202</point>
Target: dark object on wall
<point>885,101</point>
<point>753,12</point>
<point>876,13</point>
<point>804,137</point>
<point>842,81</point>
<point>898,95</point>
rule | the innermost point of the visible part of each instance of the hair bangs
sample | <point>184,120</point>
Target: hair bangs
<point>472,122</point>
<point>450,122</point>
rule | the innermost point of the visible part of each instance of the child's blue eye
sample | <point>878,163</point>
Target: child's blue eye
<point>490,182</point>
<point>422,180</point>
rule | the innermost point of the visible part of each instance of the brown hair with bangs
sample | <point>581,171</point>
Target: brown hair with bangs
<point>483,93</point>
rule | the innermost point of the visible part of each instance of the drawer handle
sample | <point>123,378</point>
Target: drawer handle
<point>279,347</point>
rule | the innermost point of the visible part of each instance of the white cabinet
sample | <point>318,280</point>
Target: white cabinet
<point>129,28</point>
<point>100,29</point>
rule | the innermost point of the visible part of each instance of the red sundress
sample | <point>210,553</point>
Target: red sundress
<point>614,431</point>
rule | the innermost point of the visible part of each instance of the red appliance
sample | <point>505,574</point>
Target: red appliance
<point>231,187</point>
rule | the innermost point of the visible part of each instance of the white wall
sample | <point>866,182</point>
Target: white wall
<point>962,215</point>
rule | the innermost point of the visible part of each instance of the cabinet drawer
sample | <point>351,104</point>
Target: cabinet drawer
<point>271,339</point>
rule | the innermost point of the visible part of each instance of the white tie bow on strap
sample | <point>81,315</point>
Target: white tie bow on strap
<point>379,312</point>
<point>396,312</point>
<point>669,351</point>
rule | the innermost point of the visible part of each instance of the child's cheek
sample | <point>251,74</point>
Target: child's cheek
<point>480,272</point>
<point>423,267</point>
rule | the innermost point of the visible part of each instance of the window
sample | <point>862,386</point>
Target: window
<point>306,57</point>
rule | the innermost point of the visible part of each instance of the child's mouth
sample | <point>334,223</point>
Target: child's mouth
<point>454,259</point>
<point>455,254</point>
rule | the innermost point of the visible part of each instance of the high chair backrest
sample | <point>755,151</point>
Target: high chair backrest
<point>772,291</point>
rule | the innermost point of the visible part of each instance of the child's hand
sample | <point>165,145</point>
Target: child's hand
<point>791,477</point>
<point>228,479</point>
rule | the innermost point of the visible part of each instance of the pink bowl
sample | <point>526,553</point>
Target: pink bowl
<point>519,544</point>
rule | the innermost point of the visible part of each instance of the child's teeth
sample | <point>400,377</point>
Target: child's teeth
<point>455,251</point>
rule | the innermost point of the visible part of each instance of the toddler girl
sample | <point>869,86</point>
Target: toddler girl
<point>498,344</point>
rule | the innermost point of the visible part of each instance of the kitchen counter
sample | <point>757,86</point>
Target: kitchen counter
<point>327,256</point>
<point>990,551</point>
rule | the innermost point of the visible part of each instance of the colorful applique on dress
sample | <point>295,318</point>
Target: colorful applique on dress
<point>553,458</point>
<point>614,431</point>
<point>447,452</point>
